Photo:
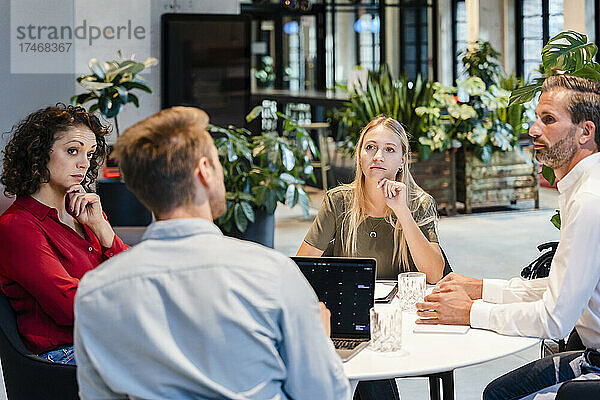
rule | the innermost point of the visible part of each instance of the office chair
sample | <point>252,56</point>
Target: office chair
<point>579,390</point>
<point>27,376</point>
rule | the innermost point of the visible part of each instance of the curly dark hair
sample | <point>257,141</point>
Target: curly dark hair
<point>27,153</point>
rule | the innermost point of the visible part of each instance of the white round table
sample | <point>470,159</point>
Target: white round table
<point>433,353</point>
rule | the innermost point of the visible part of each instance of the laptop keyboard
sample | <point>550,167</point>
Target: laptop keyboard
<point>346,344</point>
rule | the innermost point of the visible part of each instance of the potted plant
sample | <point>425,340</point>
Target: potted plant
<point>492,168</point>
<point>261,171</point>
<point>109,87</point>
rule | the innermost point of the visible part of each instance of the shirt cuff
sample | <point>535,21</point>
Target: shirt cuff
<point>117,247</point>
<point>480,314</point>
<point>493,290</point>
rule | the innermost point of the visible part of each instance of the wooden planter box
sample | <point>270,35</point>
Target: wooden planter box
<point>506,180</point>
<point>437,177</point>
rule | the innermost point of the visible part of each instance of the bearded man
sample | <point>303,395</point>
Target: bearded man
<point>566,138</point>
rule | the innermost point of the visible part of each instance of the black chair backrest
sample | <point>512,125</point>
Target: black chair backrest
<point>27,376</point>
<point>8,326</point>
<point>579,390</point>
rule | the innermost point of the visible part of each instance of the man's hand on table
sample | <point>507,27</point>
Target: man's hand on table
<point>473,287</point>
<point>325,316</point>
<point>450,305</point>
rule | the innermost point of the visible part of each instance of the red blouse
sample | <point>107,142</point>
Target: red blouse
<point>41,263</point>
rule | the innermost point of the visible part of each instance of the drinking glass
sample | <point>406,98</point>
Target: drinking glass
<point>411,289</point>
<point>386,328</point>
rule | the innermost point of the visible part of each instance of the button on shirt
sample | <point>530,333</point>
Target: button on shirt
<point>570,295</point>
<point>190,313</point>
<point>41,262</point>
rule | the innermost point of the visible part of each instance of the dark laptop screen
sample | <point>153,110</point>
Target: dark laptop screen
<point>347,287</point>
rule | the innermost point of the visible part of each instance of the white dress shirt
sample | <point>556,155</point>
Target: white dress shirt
<point>191,314</point>
<point>570,296</point>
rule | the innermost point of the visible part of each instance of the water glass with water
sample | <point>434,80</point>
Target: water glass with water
<point>411,289</point>
<point>386,328</point>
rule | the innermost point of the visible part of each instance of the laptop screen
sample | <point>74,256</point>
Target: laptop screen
<point>347,287</point>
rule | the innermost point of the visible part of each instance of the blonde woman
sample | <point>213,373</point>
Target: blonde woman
<point>383,214</point>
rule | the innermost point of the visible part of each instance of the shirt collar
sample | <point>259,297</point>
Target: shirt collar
<point>578,170</point>
<point>180,227</point>
<point>33,206</point>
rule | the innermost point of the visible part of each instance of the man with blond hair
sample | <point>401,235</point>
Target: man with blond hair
<point>188,312</point>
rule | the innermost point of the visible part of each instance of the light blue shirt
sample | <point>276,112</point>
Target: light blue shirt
<point>190,313</point>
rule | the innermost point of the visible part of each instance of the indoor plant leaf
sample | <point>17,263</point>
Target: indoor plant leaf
<point>556,219</point>
<point>287,157</point>
<point>291,195</point>
<point>567,57</point>
<point>248,211</point>
<point>526,93</point>
<point>548,174</point>
<point>92,86</point>
<point>255,112</point>
<point>241,222</point>
<point>304,201</point>
<point>97,68</point>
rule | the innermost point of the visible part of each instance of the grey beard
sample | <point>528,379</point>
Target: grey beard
<point>559,154</point>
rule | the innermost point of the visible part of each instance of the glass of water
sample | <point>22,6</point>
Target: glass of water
<point>411,290</point>
<point>386,328</point>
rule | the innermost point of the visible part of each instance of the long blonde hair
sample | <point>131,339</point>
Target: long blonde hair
<point>421,204</point>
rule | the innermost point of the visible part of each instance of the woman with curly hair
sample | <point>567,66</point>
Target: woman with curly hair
<point>55,231</point>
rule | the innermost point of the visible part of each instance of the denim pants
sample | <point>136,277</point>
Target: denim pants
<point>384,389</point>
<point>64,355</point>
<point>532,377</point>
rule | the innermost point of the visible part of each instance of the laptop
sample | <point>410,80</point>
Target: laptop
<point>347,287</point>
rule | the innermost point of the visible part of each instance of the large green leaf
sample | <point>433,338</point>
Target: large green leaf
<point>473,85</point>
<point>83,98</point>
<point>304,201</point>
<point>288,178</point>
<point>255,112</point>
<point>556,219</point>
<point>150,61</point>
<point>271,200</point>
<point>291,196</point>
<point>590,71</point>
<point>123,95</point>
<point>548,174</point>
<point>97,68</point>
<point>92,85</point>
<point>127,66</point>
<point>241,222</point>
<point>526,93</point>
<point>568,57</point>
<point>287,157</point>
<point>134,99</point>
<point>248,211</point>
<point>136,85</point>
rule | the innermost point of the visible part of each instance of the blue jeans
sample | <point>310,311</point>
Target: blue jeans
<point>65,355</point>
<point>384,389</point>
<point>532,377</point>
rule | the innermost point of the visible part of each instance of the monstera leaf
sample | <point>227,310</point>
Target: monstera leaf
<point>568,57</point>
<point>575,57</point>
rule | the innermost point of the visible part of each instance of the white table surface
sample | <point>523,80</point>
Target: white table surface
<point>428,353</point>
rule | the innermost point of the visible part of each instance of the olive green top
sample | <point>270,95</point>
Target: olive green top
<point>326,234</point>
